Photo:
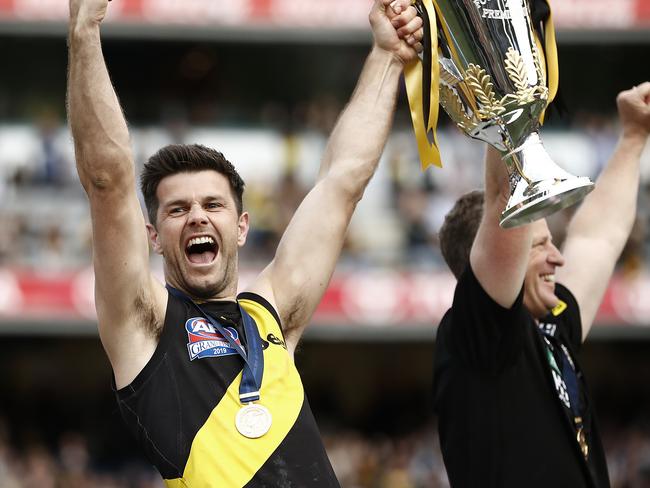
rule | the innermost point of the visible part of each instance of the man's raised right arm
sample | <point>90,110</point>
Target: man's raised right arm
<point>499,257</point>
<point>106,170</point>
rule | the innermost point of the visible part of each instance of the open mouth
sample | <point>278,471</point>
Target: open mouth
<point>548,278</point>
<point>201,250</point>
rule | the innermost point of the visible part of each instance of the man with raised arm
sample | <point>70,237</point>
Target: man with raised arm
<point>512,401</point>
<point>204,376</point>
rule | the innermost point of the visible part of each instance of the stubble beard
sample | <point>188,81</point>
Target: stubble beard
<point>209,289</point>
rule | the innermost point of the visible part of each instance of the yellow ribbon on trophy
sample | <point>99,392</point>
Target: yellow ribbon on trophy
<point>422,86</point>
<point>425,119</point>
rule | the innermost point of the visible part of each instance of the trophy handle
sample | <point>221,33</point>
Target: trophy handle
<point>538,186</point>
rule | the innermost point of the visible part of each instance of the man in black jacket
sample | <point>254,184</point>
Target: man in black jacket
<point>512,401</point>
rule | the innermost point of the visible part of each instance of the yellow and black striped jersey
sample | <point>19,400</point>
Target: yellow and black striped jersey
<point>182,406</point>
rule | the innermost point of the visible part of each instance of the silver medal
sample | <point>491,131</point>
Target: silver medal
<point>253,420</point>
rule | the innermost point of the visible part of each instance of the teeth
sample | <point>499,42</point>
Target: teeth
<point>549,278</point>
<point>200,240</point>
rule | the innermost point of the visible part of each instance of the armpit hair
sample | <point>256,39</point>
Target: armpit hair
<point>147,316</point>
<point>294,317</point>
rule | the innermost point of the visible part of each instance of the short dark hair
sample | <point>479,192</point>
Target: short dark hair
<point>459,229</point>
<point>186,158</point>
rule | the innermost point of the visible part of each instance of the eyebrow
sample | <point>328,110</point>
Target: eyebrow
<point>174,203</point>
<point>184,201</point>
<point>542,240</point>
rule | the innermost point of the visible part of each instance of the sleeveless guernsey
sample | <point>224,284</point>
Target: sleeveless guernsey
<point>182,406</point>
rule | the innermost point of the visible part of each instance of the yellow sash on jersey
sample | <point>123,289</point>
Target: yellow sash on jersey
<point>220,456</point>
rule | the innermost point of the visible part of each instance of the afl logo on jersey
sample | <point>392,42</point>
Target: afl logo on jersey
<point>207,342</point>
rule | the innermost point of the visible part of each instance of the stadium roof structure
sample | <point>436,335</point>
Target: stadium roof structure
<point>333,21</point>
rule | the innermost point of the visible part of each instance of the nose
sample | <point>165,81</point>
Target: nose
<point>555,256</point>
<point>197,215</point>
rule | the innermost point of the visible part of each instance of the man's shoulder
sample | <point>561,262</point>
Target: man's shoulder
<point>445,321</point>
<point>469,293</point>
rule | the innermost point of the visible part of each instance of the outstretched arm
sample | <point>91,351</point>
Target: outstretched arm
<point>304,262</point>
<point>499,257</point>
<point>602,225</point>
<point>106,171</point>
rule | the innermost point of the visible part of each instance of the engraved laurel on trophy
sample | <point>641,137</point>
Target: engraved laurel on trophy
<point>483,64</point>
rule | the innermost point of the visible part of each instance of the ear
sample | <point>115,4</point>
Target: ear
<point>154,238</point>
<point>243,227</point>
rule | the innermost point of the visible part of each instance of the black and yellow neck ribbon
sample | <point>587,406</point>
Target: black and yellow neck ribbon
<point>421,78</point>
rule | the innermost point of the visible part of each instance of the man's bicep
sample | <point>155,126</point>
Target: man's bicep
<point>130,302</point>
<point>498,260</point>
<point>306,256</point>
<point>588,269</point>
<point>120,251</point>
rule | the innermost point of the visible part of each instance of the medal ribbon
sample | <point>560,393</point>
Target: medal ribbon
<point>251,382</point>
<point>571,381</point>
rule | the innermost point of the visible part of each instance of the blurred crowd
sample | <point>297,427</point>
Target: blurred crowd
<point>360,461</point>
<point>69,465</point>
<point>45,222</point>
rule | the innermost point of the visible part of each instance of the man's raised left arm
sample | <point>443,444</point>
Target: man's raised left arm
<point>602,225</point>
<point>299,274</point>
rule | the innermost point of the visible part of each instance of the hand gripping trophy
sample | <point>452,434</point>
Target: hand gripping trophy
<point>485,64</point>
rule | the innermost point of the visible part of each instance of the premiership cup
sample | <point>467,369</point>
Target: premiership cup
<point>484,63</point>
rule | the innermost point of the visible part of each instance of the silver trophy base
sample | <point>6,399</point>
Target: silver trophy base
<point>538,186</point>
<point>546,197</point>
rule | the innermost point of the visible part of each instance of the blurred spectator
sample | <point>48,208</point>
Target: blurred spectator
<point>8,462</point>
<point>52,165</point>
<point>46,224</point>
<point>38,468</point>
<point>74,460</point>
<point>10,238</point>
<point>419,237</point>
<point>412,460</point>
